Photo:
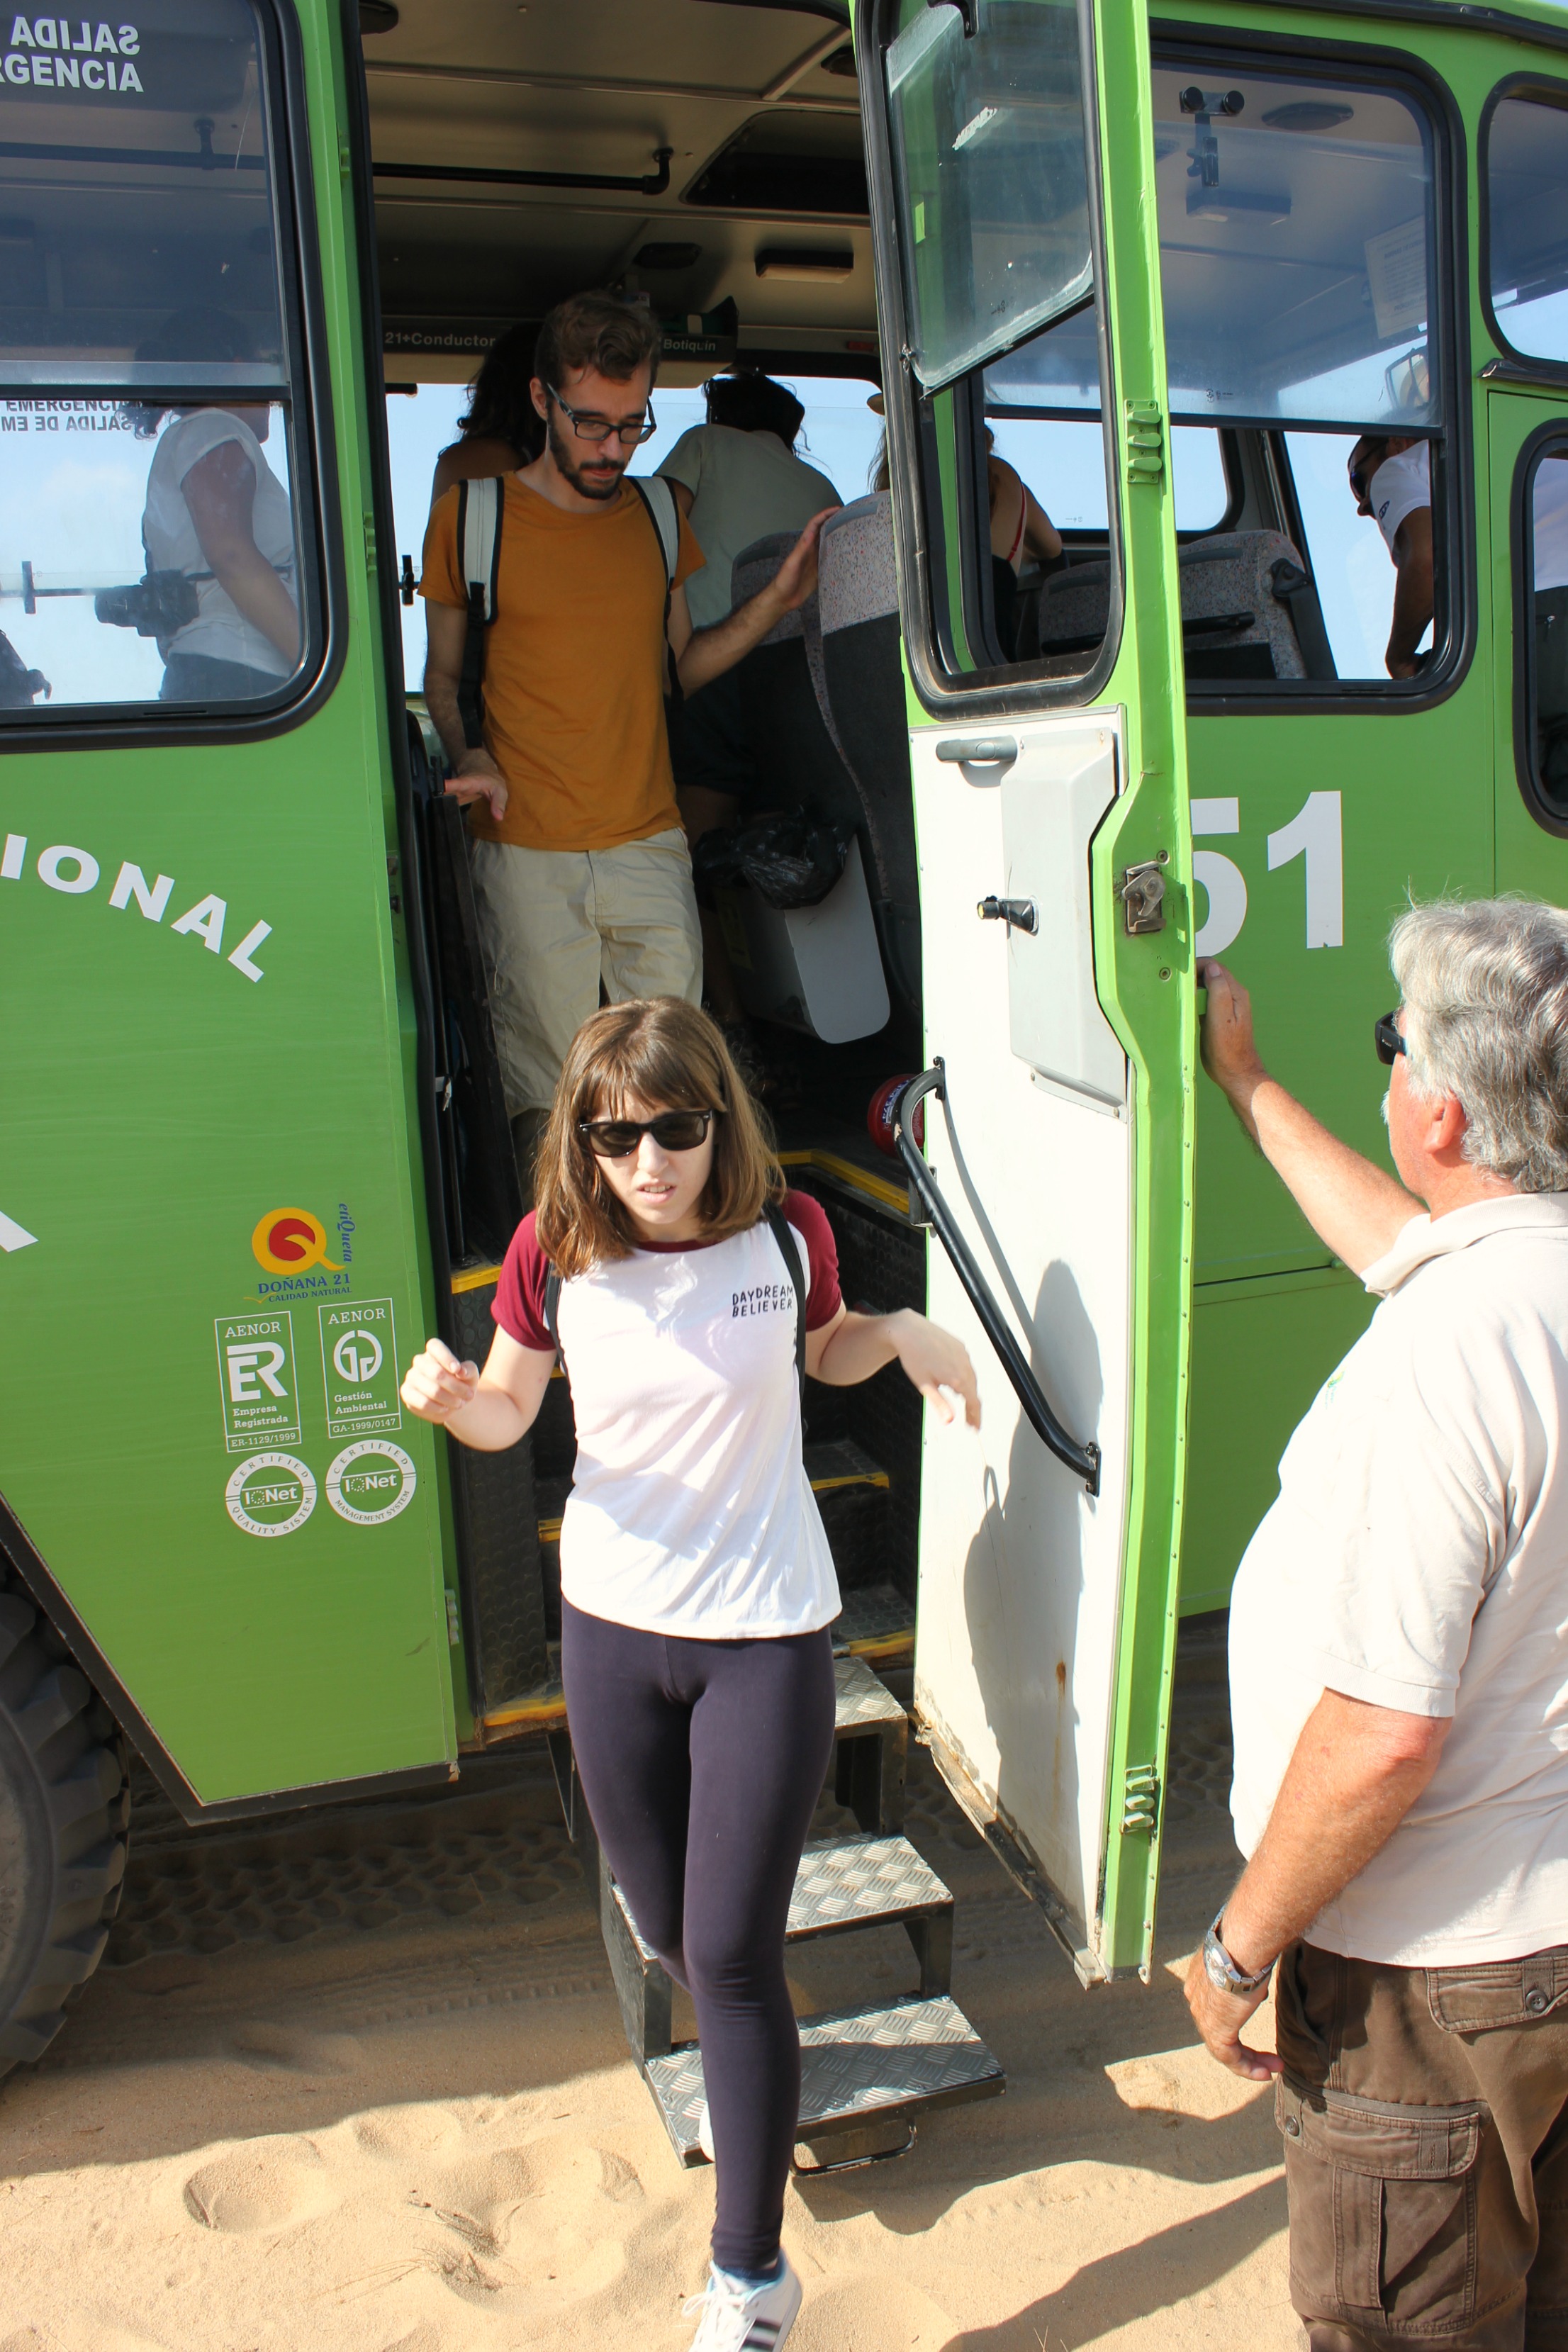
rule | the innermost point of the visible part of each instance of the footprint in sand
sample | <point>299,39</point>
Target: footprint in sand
<point>871,2313</point>
<point>299,2054</point>
<point>260,2185</point>
<point>393,2132</point>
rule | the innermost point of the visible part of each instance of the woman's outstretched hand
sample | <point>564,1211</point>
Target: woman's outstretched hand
<point>437,1385</point>
<point>939,1366</point>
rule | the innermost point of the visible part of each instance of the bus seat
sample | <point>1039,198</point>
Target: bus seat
<point>863,682</point>
<point>794,759</point>
<point>1248,611</point>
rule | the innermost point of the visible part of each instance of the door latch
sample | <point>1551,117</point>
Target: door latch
<point>1142,890</point>
<point>1019,914</point>
<point>1139,1801</point>
<point>1145,441</point>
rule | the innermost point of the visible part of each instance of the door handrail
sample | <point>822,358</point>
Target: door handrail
<point>1084,1459</point>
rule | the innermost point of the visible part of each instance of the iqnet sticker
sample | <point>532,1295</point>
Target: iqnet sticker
<point>256,1380</point>
<point>359,1365</point>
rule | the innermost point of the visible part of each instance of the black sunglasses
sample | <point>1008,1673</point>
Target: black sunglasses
<point>672,1130</point>
<point>1387,1039</point>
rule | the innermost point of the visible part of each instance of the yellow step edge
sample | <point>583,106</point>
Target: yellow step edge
<point>550,1707</point>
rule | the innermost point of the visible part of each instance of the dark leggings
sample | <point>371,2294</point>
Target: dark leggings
<point>703,1763</point>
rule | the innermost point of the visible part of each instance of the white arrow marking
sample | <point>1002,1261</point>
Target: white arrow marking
<point>14,1236</point>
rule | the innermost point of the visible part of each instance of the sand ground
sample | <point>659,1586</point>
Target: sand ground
<point>360,2083</point>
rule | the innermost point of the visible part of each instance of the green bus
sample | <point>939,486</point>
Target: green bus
<point>1173,269</point>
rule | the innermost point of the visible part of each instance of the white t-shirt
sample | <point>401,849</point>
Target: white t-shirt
<point>219,630</point>
<point>745,486</point>
<point>690,1511</point>
<point>1400,484</point>
<point>1417,1559</point>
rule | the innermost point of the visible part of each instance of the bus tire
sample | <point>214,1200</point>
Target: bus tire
<point>64,1816</point>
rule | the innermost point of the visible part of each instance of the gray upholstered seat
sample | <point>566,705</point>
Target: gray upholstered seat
<point>1248,611</point>
<point>794,762</point>
<point>863,683</point>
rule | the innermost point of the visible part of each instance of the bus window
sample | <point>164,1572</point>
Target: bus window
<point>149,472</point>
<point>1297,236</point>
<point>1064,456</point>
<point>1527,188</point>
<point>991,168</point>
<point>1543,627</point>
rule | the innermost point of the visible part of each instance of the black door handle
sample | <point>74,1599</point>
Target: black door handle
<point>1084,1459</point>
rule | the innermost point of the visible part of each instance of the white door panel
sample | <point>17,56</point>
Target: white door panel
<point>1019,1567</point>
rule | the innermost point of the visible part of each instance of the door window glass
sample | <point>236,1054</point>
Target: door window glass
<point>152,554</point>
<point>1063,461</point>
<point>1527,197</point>
<point>992,175</point>
<point>1545,626</point>
<point>1355,568</point>
<point>1297,236</point>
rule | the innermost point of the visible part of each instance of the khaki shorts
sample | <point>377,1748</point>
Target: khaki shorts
<point>554,922</point>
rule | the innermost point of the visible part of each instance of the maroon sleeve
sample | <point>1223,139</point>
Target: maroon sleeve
<point>823,1297</point>
<point>519,1305</point>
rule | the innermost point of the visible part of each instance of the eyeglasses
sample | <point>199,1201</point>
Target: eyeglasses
<point>1387,1039</point>
<point>672,1130</point>
<point>599,429</point>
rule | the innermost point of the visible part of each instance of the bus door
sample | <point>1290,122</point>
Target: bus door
<point>1018,280</point>
<point>1524,293</point>
<point>1312,249</point>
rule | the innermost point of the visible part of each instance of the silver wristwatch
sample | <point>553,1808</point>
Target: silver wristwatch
<point>1221,1969</point>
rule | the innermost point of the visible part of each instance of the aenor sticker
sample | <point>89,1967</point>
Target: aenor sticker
<point>359,1365</point>
<point>256,1380</point>
<point>371,1482</point>
<point>270,1495</point>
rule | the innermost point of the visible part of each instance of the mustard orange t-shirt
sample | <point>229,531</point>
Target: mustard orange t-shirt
<point>575,669</point>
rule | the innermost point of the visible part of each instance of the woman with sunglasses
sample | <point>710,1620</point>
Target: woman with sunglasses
<point>697,1585</point>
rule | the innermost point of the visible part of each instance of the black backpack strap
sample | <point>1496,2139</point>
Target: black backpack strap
<point>659,504</point>
<point>480,506</point>
<point>783,1232</point>
<point>553,1306</point>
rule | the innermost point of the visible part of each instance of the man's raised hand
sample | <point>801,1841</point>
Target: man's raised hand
<point>796,578</point>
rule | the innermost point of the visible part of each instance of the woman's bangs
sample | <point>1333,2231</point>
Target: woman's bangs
<point>648,1073</point>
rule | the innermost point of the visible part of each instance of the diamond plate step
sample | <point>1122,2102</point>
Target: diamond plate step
<point>897,2058</point>
<point>846,1883</point>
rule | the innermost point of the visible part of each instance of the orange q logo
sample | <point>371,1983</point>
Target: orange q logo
<point>291,1240</point>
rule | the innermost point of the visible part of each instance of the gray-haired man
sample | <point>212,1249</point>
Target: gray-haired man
<point>1399,1673</point>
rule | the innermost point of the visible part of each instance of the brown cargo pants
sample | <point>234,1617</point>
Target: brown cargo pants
<point>1425,2112</point>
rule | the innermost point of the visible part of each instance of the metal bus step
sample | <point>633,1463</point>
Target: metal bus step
<point>842,1885</point>
<point>894,2059</point>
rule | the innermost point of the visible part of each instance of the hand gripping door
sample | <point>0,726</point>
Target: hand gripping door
<point>1055,891</point>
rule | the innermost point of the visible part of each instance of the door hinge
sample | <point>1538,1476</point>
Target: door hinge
<point>1141,891</point>
<point>369,542</point>
<point>345,159</point>
<point>1145,441</point>
<point>1139,1801</point>
<point>454,1628</point>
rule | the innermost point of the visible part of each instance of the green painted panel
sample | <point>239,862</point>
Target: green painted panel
<point>1260,1353</point>
<point>164,1111</point>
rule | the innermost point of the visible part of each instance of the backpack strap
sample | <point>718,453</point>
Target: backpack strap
<point>780,1228</point>
<point>480,505</point>
<point>659,503</point>
<point>553,1306</point>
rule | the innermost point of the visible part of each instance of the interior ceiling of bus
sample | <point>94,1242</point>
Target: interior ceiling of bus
<point>765,201</point>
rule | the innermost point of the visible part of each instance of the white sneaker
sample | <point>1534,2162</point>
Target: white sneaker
<point>734,2321</point>
<point>705,2133</point>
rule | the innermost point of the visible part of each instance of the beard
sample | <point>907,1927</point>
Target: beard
<point>603,485</point>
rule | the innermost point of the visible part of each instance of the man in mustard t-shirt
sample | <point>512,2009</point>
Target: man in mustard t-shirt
<point>581,867</point>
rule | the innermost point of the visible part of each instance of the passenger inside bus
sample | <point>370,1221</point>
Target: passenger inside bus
<point>736,480</point>
<point>218,531</point>
<point>1391,480</point>
<point>501,430</point>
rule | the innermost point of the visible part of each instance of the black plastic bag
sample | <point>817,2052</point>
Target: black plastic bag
<point>790,859</point>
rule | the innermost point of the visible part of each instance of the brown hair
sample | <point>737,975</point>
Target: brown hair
<point>598,332</point>
<point>668,1055</point>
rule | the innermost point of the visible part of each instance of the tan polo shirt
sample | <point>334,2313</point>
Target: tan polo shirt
<point>1417,1559</point>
